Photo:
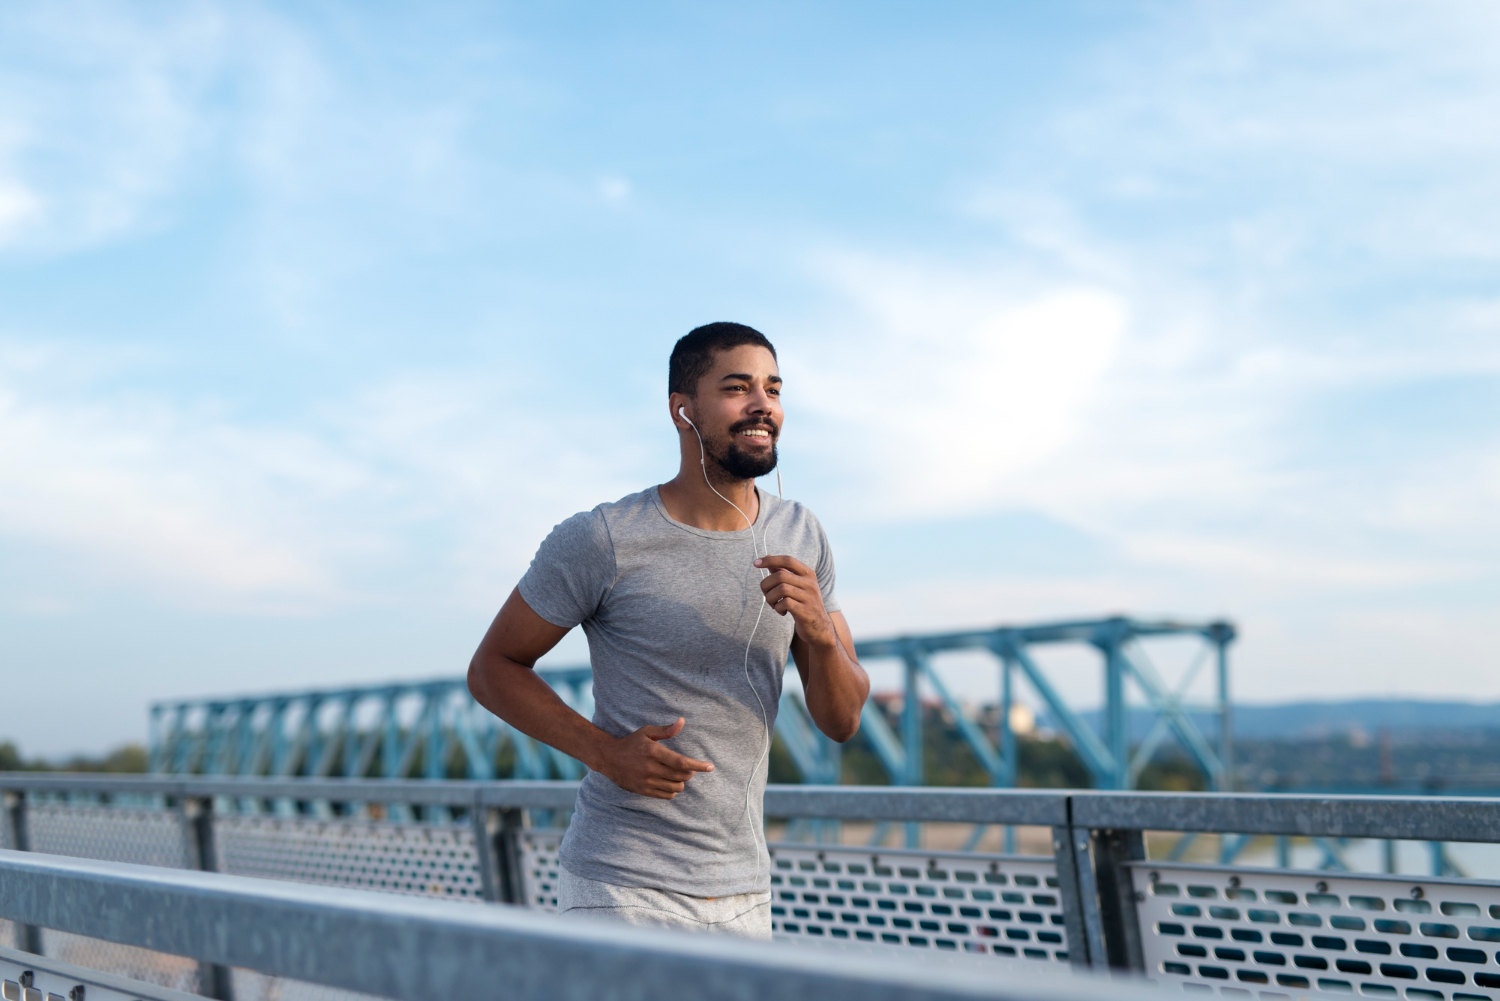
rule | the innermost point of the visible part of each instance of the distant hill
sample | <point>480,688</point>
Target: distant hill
<point>1313,719</point>
<point>1291,720</point>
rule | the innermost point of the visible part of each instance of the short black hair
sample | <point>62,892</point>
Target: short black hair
<point>694,352</point>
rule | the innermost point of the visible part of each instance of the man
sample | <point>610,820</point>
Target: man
<point>689,622</point>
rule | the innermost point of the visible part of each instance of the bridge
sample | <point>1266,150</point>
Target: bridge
<point>169,887</point>
<point>434,728</point>
<point>422,728</point>
<point>297,843</point>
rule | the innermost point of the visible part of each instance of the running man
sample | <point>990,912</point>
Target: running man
<point>689,621</point>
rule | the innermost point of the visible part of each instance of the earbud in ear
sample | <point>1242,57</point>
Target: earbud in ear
<point>682,412</point>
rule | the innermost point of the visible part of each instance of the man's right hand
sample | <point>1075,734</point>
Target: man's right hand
<point>638,762</point>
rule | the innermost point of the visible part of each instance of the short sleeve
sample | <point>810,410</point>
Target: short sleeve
<point>573,570</point>
<point>824,569</point>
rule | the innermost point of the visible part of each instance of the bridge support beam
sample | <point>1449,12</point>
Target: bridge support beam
<point>214,980</point>
<point>368,735</point>
<point>18,834</point>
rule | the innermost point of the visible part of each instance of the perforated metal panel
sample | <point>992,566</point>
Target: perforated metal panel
<point>1275,934</point>
<point>539,867</point>
<point>416,859</point>
<point>1004,905</point>
<point>8,934</point>
<point>124,960</point>
<point>109,833</point>
<point>247,985</point>
<point>53,980</point>
<point>113,834</point>
<point>7,928</point>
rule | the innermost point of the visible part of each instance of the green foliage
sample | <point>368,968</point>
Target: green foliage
<point>1049,763</point>
<point>10,758</point>
<point>781,767</point>
<point>1172,773</point>
<point>125,759</point>
<point>1044,762</point>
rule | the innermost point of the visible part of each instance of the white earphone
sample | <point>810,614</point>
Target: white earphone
<point>764,718</point>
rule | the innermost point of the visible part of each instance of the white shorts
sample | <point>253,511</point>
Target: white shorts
<point>745,914</point>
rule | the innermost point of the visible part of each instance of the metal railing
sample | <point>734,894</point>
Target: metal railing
<point>1321,931</point>
<point>416,950</point>
<point>1097,900</point>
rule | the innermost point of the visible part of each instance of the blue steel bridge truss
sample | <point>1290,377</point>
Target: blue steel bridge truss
<point>419,728</point>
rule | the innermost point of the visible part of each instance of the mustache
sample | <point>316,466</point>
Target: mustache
<point>755,422</point>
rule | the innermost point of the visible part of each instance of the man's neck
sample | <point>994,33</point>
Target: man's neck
<point>688,499</point>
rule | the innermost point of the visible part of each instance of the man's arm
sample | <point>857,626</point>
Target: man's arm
<point>503,680</point>
<point>832,680</point>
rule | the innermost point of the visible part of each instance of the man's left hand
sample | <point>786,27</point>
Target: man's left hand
<point>792,588</point>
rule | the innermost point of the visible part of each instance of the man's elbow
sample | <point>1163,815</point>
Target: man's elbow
<point>477,680</point>
<point>841,730</point>
<point>846,734</point>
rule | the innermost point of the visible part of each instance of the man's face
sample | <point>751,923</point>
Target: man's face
<point>738,411</point>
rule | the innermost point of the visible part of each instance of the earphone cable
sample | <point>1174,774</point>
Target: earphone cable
<point>764,718</point>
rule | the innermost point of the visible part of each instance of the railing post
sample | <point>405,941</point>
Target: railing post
<point>1116,710</point>
<point>485,823</point>
<point>1075,864</point>
<point>1112,851</point>
<point>214,981</point>
<point>1222,633</point>
<point>1080,913</point>
<point>911,733</point>
<point>510,861</point>
<point>28,937</point>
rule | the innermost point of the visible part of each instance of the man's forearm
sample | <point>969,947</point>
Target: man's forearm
<point>516,694</point>
<point>836,690</point>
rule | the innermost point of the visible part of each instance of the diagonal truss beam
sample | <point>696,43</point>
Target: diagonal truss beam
<point>251,736</point>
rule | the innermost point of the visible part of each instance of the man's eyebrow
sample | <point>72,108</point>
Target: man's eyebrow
<point>747,377</point>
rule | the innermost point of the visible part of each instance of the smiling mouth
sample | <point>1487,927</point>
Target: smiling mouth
<point>760,435</point>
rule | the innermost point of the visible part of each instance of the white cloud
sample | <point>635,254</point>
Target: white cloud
<point>19,210</point>
<point>99,117</point>
<point>110,112</point>
<point>614,189</point>
<point>496,473</point>
<point>207,509</point>
<point>953,384</point>
<point>1298,129</point>
<point>141,492</point>
<point>1249,559</point>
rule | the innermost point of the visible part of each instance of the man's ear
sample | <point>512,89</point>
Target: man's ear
<point>682,410</point>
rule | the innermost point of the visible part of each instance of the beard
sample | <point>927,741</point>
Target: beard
<point>743,466</point>
<point>739,464</point>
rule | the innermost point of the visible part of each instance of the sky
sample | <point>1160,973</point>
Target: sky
<point>314,318</point>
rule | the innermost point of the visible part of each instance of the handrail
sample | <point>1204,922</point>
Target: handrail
<point>414,949</point>
<point>1096,836</point>
<point>537,795</point>
<point>1047,808</point>
<point>1414,818</point>
<point>896,803</point>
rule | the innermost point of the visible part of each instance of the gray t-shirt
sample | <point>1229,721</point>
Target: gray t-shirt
<point>668,610</point>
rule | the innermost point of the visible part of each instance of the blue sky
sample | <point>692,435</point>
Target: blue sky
<point>315,318</point>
